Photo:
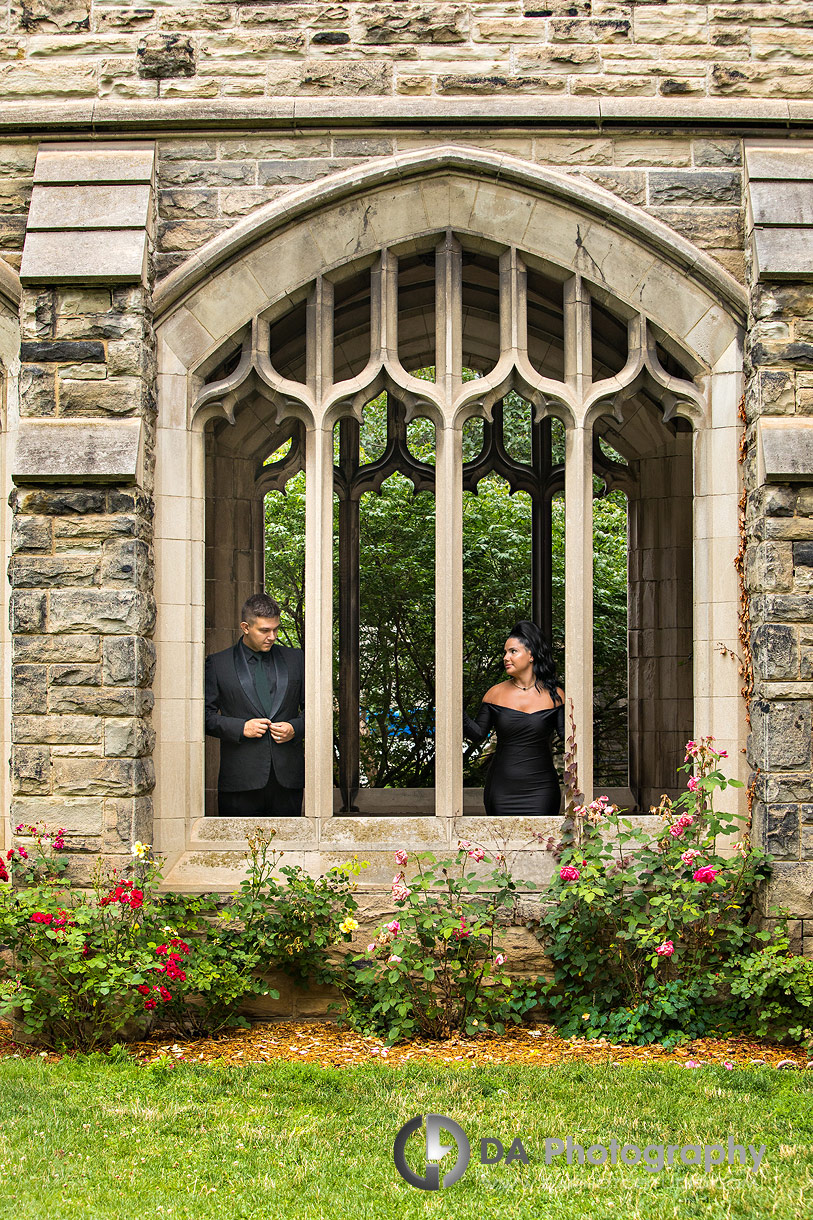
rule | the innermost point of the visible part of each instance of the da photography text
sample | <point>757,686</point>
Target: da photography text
<point>493,1151</point>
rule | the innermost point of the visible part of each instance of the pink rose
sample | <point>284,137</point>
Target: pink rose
<point>666,949</point>
<point>400,893</point>
<point>706,874</point>
<point>500,959</point>
<point>676,830</point>
<point>393,958</point>
<point>401,858</point>
<point>569,873</point>
<point>690,856</point>
<point>394,927</point>
<point>463,844</point>
<point>371,948</point>
<point>692,784</point>
<point>477,855</point>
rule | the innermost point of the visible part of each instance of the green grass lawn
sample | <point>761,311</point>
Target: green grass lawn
<point>96,1140</point>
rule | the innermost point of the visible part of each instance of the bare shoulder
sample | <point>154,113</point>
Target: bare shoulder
<point>493,693</point>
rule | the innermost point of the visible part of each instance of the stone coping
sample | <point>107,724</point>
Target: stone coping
<point>294,112</point>
<point>396,169</point>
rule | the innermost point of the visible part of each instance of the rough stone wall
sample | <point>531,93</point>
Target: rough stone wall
<point>81,571</point>
<point>244,48</point>
<point>779,521</point>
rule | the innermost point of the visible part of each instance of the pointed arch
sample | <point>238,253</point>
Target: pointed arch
<point>213,313</point>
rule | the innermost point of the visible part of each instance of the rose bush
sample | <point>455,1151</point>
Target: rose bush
<point>84,969</point>
<point>438,968</point>
<point>649,938</point>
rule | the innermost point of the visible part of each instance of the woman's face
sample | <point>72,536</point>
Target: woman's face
<point>517,658</point>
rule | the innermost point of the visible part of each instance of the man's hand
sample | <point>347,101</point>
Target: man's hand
<point>256,728</point>
<point>281,730</point>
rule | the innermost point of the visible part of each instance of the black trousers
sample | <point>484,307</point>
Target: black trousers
<point>272,801</point>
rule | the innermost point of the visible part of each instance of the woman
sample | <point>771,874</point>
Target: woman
<point>524,710</point>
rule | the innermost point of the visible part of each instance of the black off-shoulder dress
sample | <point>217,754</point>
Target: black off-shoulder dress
<point>522,779</point>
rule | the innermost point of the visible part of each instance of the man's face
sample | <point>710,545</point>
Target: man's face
<point>261,634</point>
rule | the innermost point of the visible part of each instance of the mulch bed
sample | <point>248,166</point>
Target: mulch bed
<point>330,1045</point>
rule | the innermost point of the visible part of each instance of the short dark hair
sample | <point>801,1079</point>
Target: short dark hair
<point>259,605</point>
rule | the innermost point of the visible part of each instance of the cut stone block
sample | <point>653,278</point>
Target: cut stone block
<point>87,257</point>
<point>89,206</point>
<point>785,449</point>
<point>103,162</point>
<point>783,253</point>
<point>789,202</point>
<point>785,159</point>
<point>54,451</point>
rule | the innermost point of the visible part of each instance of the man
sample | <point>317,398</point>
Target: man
<point>255,704</point>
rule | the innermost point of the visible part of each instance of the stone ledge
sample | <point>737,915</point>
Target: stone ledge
<point>294,112</point>
<point>55,451</point>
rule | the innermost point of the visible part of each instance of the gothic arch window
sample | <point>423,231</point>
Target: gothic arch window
<point>494,340</point>
<point>625,360</point>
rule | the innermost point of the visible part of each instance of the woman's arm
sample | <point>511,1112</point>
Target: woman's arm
<point>478,729</point>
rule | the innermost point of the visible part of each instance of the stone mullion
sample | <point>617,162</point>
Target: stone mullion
<point>319,559</point>
<point>448,535</point>
<point>349,610</point>
<point>579,528</point>
<point>542,531</point>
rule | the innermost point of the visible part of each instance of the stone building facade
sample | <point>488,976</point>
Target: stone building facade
<point>223,225</point>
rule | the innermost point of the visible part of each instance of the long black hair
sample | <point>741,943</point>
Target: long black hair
<point>530,636</point>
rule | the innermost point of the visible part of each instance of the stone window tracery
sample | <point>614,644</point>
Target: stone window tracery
<point>530,331</point>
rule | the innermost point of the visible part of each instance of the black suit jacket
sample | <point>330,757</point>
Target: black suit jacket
<point>231,700</point>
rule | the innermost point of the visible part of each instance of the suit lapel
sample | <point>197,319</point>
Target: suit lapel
<point>244,678</point>
<point>281,669</point>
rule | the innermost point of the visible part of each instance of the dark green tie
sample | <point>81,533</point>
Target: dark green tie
<point>261,684</point>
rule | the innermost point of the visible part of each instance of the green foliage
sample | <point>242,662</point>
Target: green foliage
<point>771,992</point>
<point>87,969</point>
<point>437,968</point>
<point>657,940</point>
<point>292,923</point>
<point>397,592</point>
<point>668,1013</point>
